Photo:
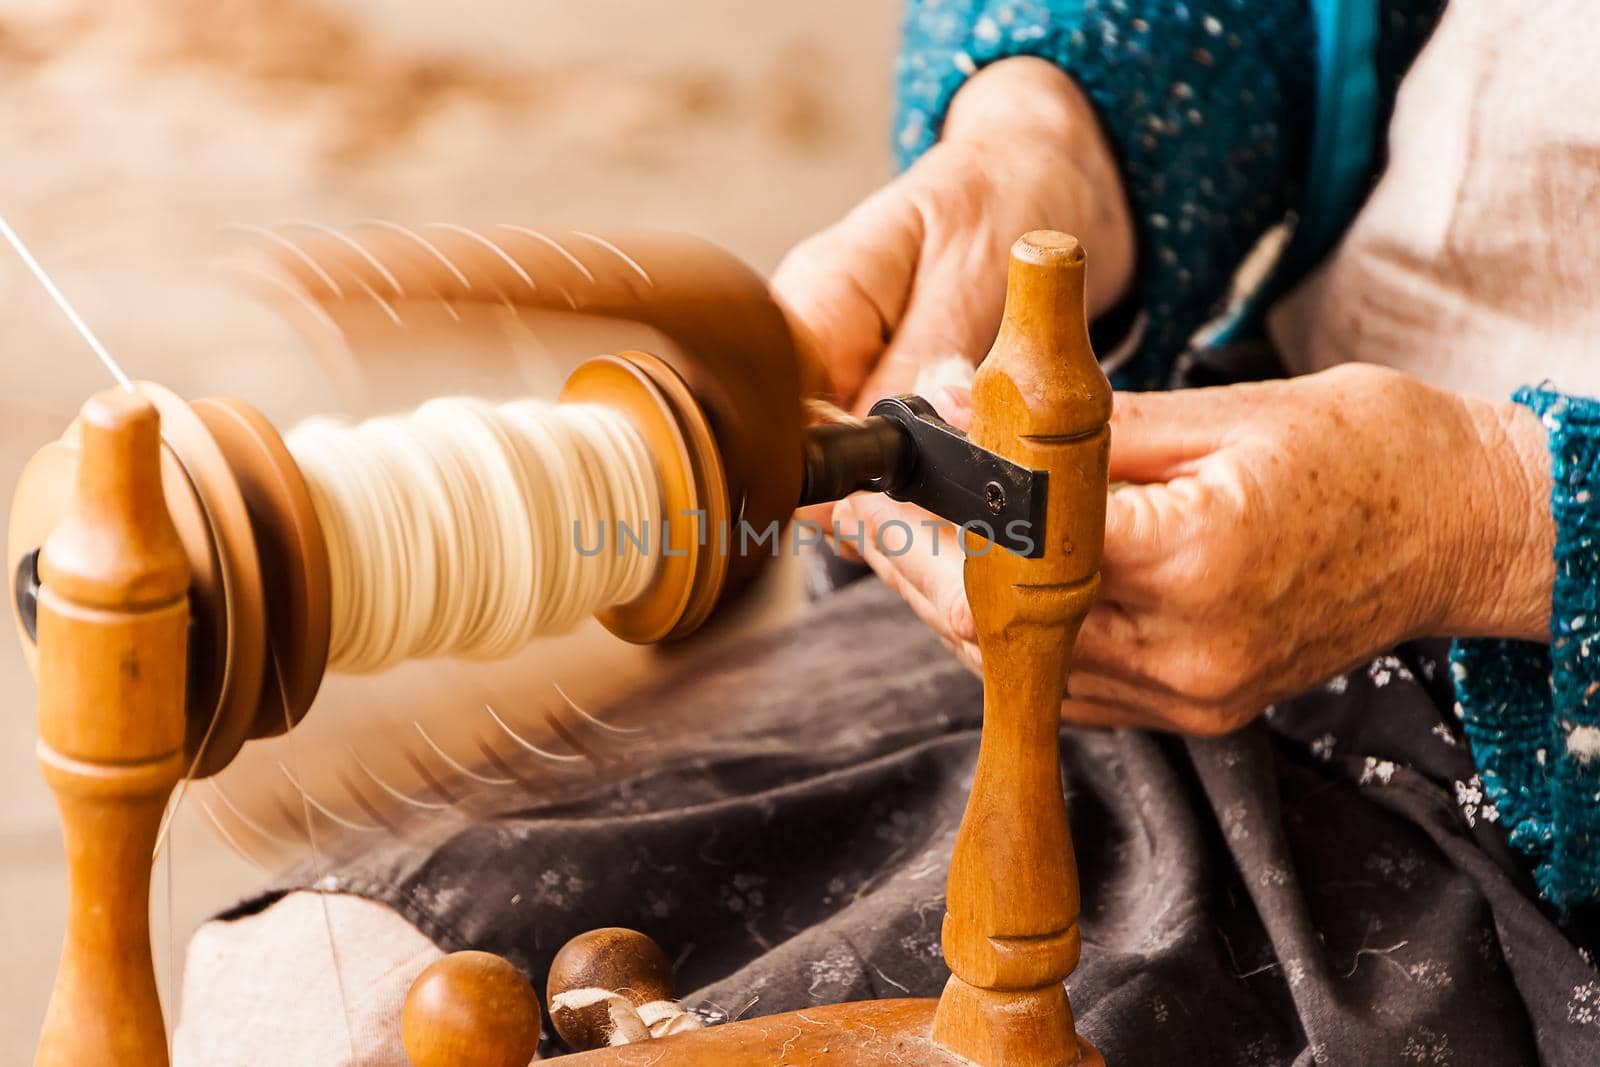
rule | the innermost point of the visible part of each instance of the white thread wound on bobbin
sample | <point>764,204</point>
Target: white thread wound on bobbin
<point>451,532</point>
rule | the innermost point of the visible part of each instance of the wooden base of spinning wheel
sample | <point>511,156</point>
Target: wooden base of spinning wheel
<point>870,1032</point>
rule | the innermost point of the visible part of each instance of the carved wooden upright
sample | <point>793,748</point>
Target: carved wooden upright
<point>1011,931</point>
<point>113,621</point>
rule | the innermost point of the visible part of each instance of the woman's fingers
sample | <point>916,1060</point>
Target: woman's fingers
<point>1095,700</point>
<point>954,405</point>
<point>919,555</point>
<point>1156,436</point>
<point>1111,642</point>
<point>953,312</point>
<point>1143,525</point>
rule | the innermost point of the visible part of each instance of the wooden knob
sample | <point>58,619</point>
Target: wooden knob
<point>622,961</point>
<point>470,1009</point>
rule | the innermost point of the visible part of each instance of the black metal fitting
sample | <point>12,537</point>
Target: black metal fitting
<point>904,449</point>
<point>25,587</point>
<point>845,458</point>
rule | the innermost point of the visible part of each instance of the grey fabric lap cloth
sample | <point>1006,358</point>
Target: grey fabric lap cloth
<point>1309,890</point>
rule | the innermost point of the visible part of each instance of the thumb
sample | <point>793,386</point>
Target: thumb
<point>953,313</point>
<point>954,405</point>
<point>847,286</point>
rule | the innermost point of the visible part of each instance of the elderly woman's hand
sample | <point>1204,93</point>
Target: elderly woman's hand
<point>1272,535</point>
<point>891,287</point>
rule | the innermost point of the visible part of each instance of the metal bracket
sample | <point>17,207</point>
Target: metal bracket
<point>25,589</point>
<point>905,450</point>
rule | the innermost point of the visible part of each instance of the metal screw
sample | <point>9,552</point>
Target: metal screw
<point>994,494</point>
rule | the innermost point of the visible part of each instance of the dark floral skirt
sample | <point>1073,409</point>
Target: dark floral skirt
<point>1327,886</point>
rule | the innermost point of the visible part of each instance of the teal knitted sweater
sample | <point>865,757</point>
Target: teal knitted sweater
<point>1229,117</point>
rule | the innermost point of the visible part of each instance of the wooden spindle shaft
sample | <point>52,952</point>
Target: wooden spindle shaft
<point>1011,930</point>
<point>113,619</point>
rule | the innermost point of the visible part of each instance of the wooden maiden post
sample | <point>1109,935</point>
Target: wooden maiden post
<point>1011,931</point>
<point>112,626</point>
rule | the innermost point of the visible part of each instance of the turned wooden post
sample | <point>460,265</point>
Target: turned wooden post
<point>1011,929</point>
<point>113,618</point>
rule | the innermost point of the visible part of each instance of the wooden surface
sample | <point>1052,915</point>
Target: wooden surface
<point>874,1032</point>
<point>470,1009</point>
<point>113,617</point>
<point>293,559</point>
<point>1011,929</point>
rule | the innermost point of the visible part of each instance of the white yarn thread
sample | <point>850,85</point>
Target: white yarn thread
<point>450,529</point>
<point>951,372</point>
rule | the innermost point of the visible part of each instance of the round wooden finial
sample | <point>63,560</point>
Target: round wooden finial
<point>470,1009</point>
<point>613,958</point>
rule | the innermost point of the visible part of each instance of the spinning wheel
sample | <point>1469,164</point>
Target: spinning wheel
<point>179,593</point>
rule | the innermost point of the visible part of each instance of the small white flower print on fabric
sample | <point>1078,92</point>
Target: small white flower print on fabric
<point>1377,770</point>
<point>833,975</point>
<point>1322,747</point>
<point>1427,1046</point>
<point>1584,1007</point>
<point>1386,669</point>
<point>1469,795</point>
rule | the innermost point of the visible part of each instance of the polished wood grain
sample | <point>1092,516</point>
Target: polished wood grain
<point>470,1009</point>
<point>113,618</point>
<point>1011,929</point>
<point>865,1034</point>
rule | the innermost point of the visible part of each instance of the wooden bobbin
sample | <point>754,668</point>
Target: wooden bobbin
<point>470,1009</point>
<point>378,302</point>
<point>260,595</point>
<point>691,567</point>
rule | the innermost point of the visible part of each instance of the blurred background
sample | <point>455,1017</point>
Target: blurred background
<point>137,132</point>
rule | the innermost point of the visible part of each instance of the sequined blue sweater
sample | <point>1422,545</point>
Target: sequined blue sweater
<point>1228,117</point>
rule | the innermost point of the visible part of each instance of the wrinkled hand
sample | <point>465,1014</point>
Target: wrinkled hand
<point>916,273</point>
<point>1273,535</point>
